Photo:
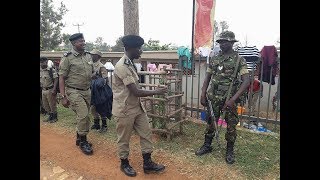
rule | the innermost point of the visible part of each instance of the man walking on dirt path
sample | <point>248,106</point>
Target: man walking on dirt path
<point>48,83</point>
<point>76,72</point>
<point>128,111</point>
<point>224,79</point>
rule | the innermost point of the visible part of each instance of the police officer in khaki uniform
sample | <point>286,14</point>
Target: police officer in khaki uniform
<point>220,72</point>
<point>128,111</point>
<point>48,83</point>
<point>76,72</point>
<point>96,56</point>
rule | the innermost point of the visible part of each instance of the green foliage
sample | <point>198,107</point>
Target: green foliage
<point>101,46</point>
<point>51,25</point>
<point>154,45</point>
<point>118,47</point>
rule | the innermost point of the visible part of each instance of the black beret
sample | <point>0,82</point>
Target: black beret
<point>43,58</point>
<point>75,36</point>
<point>132,41</point>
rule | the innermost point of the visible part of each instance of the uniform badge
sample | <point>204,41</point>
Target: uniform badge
<point>220,67</point>
<point>66,54</point>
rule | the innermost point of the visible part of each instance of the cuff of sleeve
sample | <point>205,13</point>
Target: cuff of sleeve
<point>128,80</point>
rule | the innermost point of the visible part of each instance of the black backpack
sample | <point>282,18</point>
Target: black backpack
<point>51,76</point>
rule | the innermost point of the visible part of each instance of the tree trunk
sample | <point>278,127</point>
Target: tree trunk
<point>131,17</point>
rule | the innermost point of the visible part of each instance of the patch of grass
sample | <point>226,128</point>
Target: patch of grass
<point>257,155</point>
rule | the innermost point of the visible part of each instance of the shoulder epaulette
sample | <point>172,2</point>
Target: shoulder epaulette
<point>66,54</point>
<point>126,61</point>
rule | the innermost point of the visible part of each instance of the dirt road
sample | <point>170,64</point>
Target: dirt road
<point>61,159</point>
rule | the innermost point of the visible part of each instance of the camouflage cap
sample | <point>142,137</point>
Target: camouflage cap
<point>227,36</point>
<point>94,51</point>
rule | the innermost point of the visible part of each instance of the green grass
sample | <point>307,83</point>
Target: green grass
<point>257,155</point>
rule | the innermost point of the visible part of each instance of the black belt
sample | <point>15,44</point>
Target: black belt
<point>47,88</point>
<point>78,88</point>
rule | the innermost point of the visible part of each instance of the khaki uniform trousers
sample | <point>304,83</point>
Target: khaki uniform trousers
<point>80,104</point>
<point>125,126</point>
<point>49,101</point>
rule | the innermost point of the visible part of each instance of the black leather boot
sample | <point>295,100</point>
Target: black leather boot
<point>43,111</point>
<point>96,124</point>
<point>104,127</point>
<point>149,166</point>
<point>126,168</point>
<point>230,153</point>
<point>49,118</point>
<point>54,117</point>
<point>78,141</point>
<point>206,147</point>
<point>84,145</point>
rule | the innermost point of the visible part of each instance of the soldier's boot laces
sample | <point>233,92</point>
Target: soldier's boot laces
<point>78,141</point>
<point>48,118</point>
<point>230,153</point>
<point>149,166</point>
<point>96,124</point>
<point>104,126</point>
<point>84,145</point>
<point>206,147</point>
<point>126,168</point>
<point>54,117</point>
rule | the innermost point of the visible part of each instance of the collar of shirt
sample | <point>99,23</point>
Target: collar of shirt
<point>128,60</point>
<point>75,53</point>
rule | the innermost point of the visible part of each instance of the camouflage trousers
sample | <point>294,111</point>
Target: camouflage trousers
<point>231,118</point>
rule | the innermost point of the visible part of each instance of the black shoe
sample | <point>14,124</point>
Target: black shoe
<point>96,124</point>
<point>149,166</point>
<point>126,168</point>
<point>203,150</point>
<point>48,118</point>
<point>104,127</point>
<point>206,147</point>
<point>78,141</point>
<point>54,118</point>
<point>43,111</point>
<point>86,148</point>
<point>230,153</point>
<point>84,145</point>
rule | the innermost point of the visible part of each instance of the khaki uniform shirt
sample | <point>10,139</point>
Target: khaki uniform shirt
<point>77,69</point>
<point>124,102</point>
<point>45,79</point>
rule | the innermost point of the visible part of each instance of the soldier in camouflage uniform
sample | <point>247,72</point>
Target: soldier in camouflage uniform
<point>76,72</point>
<point>220,71</point>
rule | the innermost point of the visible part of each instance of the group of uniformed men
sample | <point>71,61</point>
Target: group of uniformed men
<point>77,69</point>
